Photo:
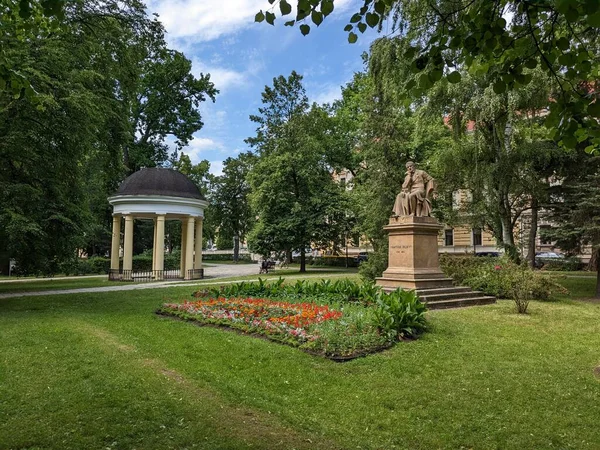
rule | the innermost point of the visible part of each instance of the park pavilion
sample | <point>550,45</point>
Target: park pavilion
<point>159,195</point>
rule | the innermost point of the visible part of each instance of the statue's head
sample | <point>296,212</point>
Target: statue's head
<point>410,166</point>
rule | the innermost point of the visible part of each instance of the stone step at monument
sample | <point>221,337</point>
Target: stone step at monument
<point>461,303</point>
<point>451,297</point>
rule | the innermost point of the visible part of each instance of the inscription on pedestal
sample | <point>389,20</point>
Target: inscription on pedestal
<point>413,254</point>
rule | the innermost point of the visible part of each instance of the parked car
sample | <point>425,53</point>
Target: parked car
<point>489,254</point>
<point>361,257</point>
<point>542,258</point>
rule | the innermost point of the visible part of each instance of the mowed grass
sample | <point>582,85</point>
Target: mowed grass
<point>50,284</point>
<point>102,371</point>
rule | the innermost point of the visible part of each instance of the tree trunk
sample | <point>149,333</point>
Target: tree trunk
<point>532,233</point>
<point>302,260</point>
<point>594,265</point>
<point>288,256</point>
<point>236,248</point>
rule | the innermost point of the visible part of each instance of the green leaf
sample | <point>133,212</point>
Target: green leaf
<point>569,141</point>
<point>372,19</point>
<point>591,6</point>
<point>270,17</point>
<point>563,43</point>
<point>362,27</point>
<point>594,20</point>
<point>285,7</point>
<point>259,17</point>
<point>436,75</point>
<point>572,15</point>
<point>380,7</point>
<point>327,7</point>
<point>454,77</point>
<point>290,23</point>
<point>348,27</point>
<point>499,87</point>
<point>317,17</point>
<point>352,38</point>
<point>593,109</point>
<point>355,18</point>
<point>304,29</point>
<point>531,63</point>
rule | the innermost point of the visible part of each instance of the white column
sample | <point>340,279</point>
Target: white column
<point>198,249</point>
<point>116,243</point>
<point>159,247</point>
<point>128,246</point>
<point>154,247</point>
<point>189,247</point>
<point>183,247</point>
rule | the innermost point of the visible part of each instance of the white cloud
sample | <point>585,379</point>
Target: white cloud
<point>327,94</point>
<point>216,167</point>
<point>221,77</point>
<point>205,20</point>
<point>199,146</point>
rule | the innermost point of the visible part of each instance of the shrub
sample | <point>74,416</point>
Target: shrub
<point>375,265</point>
<point>344,291</point>
<point>498,276</point>
<point>400,314</point>
<point>522,290</point>
<point>559,264</point>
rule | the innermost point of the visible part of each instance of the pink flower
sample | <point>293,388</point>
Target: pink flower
<point>497,267</point>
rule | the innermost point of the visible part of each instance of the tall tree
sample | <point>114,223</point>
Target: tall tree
<point>165,102</point>
<point>63,145</point>
<point>575,211</point>
<point>293,193</point>
<point>230,200</point>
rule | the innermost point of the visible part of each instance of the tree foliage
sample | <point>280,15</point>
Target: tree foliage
<point>230,200</point>
<point>95,78</point>
<point>294,197</point>
<point>504,39</point>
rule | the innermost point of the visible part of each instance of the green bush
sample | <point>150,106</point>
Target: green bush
<point>559,264</point>
<point>330,261</point>
<point>375,265</point>
<point>344,291</point>
<point>400,314</point>
<point>224,257</point>
<point>497,276</point>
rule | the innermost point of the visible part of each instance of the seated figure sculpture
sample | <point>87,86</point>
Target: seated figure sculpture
<point>417,190</point>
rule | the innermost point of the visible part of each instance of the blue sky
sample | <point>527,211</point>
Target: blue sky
<point>242,57</point>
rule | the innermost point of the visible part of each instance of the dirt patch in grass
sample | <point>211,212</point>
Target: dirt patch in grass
<point>589,300</point>
<point>258,429</point>
<point>597,372</point>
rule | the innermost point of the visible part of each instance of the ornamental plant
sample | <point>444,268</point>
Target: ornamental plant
<point>400,314</point>
<point>267,317</point>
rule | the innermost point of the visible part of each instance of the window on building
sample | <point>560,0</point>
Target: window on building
<point>477,240</point>
<point>449,237</point>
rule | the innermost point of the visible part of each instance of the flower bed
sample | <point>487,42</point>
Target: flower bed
<point>340,320</point>
<point>293,320</point>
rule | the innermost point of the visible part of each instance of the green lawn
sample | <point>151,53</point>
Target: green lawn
<point>102,371</point>
<point>49,284</point>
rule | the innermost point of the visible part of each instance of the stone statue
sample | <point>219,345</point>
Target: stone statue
<point>417,190</point>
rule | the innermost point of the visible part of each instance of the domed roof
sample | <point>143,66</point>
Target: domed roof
<point>159,181</point>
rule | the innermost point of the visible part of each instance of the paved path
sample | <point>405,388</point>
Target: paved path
<point>213,271</point>
<point>210,271</point>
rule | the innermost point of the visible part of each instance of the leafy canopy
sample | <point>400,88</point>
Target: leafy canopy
<point>503,38</point>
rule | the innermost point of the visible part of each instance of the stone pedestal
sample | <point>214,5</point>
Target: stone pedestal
<point>413,254</point>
